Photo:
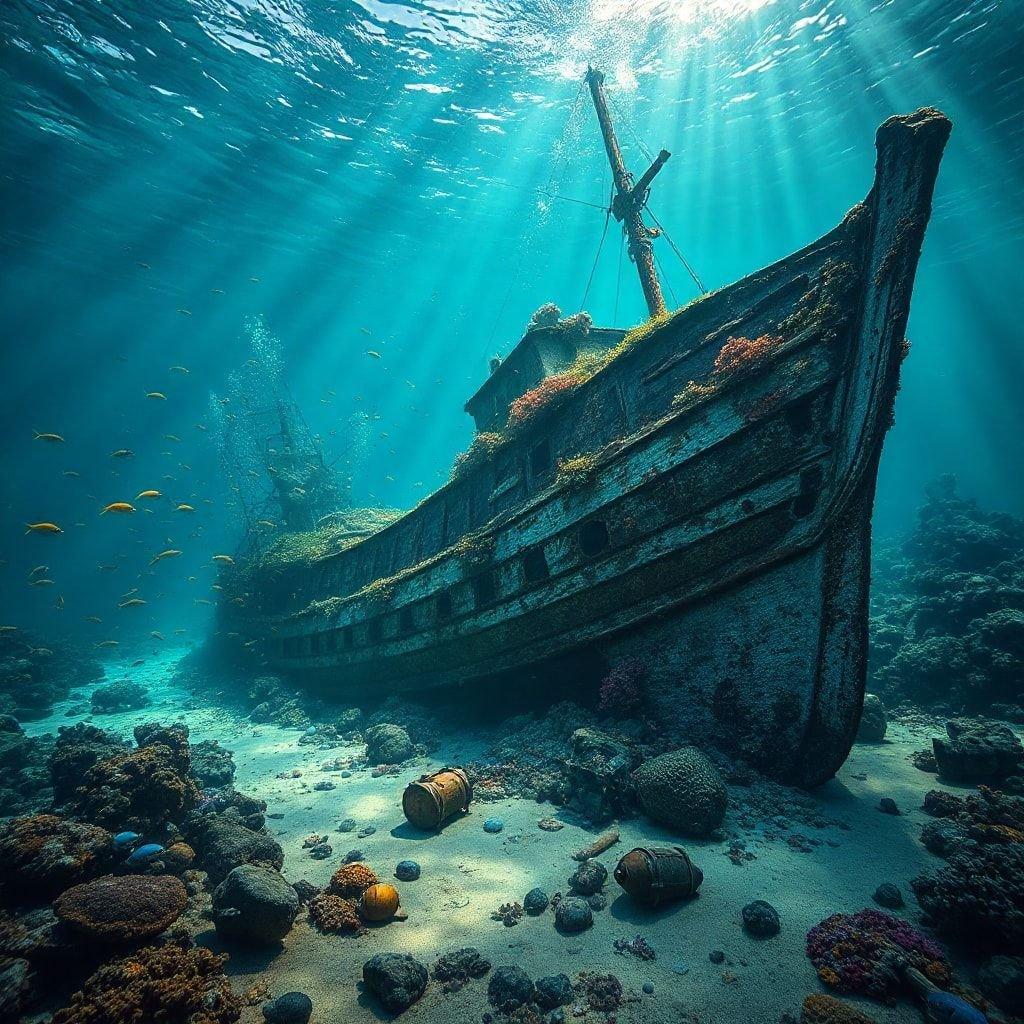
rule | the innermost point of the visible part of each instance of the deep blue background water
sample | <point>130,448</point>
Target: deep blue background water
<point>364,175</point>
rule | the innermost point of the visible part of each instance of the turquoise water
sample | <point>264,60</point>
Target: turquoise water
<point>336,178</point>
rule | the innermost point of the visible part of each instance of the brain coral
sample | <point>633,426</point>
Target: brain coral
<point>169,984</point>
<point>332,913</point>
<point>122,909</point>
<point>848,951</point>
<point>351,880</point>
<point>683,790</point>
<point>139,789</point>
<point>42,854</point>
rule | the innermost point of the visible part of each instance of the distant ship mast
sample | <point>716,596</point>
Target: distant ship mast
<point>630,199</point>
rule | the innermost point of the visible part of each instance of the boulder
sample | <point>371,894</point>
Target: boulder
<point>388,744</point>
<point>974,751</point>
<point>588,878</point>
<point>43,854</point>
<point>573,914</point>
<point>598,773</point>
<point>290,1008</point>
<point>254,904</point>
<point>212,764</point>
<point>509,988</point>
<point>222,842</point>
<point>683,790</point>
<point>873,720</point>
<point>397,980</point>
<point>761,919</point>
<point>122,909</point>
<point>553,991</point>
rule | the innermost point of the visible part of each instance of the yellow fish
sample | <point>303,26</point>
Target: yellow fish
<point>179,369</point>
<point>118,506</point>
<point>169,553</point>
<point>147,494</point>
<point>132,602</point>
<point>224,559</point>
<point>48,437</point>
<point>43,528</point>
<point>122,453</point>
<point>182,507</point>
<point>157,394</point>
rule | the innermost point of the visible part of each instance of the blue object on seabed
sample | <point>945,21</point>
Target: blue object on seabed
<point>145,853</point>
<point>125,841</point>
<point>946,1008</point>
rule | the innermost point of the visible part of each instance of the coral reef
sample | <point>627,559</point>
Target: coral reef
<point>825,1009</point>
<point>682,790</point>
<point>853,953</point>
<point>332,913</point>
<point>212,766</point>
<point>481,450</point>
<point>122,909</point>
<point>169,984</point>
<point>41,855</point>
<point>978,897</point>
<point>35,673</point>
<point>528,404</point>
<point>352,880</point>
<point>977,751</point>
<point>873,721</point>
<point>123,695</point>
<point>947,624</point>
<point>75,751</point>
<point>24,770</point>
<point>142,789</point>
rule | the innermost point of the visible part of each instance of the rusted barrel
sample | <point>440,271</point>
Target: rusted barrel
<point>434,798</point>
<point>658,874</point>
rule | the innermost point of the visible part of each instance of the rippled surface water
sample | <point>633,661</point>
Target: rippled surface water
<point>419,177</point>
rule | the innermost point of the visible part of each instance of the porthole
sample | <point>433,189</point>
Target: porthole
<point>593,538</point>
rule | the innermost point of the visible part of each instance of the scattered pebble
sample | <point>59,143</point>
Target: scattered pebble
<point>888,806</point>
<point>348,825</point>
<point>761,919</point>
<point>493,825</point>
<point>716,956</point>
<point>648,988</point>
<point>535,902</point>
<point>353,855</point>
<point>407,871</point>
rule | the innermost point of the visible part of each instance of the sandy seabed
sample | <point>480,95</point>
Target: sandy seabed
<point>468,873</point>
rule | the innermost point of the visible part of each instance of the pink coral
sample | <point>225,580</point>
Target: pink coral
<point>529,404</point>
<point>739,353</point>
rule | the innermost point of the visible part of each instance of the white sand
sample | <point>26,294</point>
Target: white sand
<point>467,873</point>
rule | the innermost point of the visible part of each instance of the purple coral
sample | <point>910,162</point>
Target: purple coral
<point>622,688</point>
<point>854,952</point>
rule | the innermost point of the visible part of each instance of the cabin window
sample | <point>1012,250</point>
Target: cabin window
<point>332,641</point>
<point>810,487</point>
<point>484,589</point>
<point>800,416</point>
<point>540,459</point>
<point>347,637</point>
<point>593,538</point>
<point>314,643</point>
<point>288,647</point>
<point>373,630</point>
<point>444,606</point>
<point>535,566</point>
<point>406,620</point>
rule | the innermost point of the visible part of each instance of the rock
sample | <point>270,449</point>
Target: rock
<point>535,902</point>
<point>407,871</point>
<point>388,744</point>
<point>348,825</point>
<point>305,890</point>
<point>291,1008</point>
<point>76,750</point>
<point>888,806</point>
<point>977,751</point>
<point>509,988</point>
<point>888,895</point>
<point>222,843</point>
<point>493,825</point>
<point>873,720</point>
<point>716,956</point>
<point>1002,980</point>
<point>553,990</point>
<point>121,696</point>
<point>588,878</point>
<point>15,987</point>
<point>396,980</point>
<point>43,854</point>
<point>573,914</point>
<point>332,913</point>
<point>648,988</point>
<point>455,969</point>
<point>254,904</point>
<point>122,909</point>
<point>212,765</point>
<point>598,774</point>
<point>760,919</point>
<point>682,790</point>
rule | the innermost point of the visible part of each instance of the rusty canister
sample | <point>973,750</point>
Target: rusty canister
<point>658,874</point>
<point>434,798</point>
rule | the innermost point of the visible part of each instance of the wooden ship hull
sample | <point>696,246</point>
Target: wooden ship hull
<point>701,504</point>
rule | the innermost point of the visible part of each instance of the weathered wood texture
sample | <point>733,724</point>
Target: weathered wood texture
<point>723,538</point>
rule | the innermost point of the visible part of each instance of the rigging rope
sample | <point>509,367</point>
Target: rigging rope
<point>600,246</point>
<point>675,248</point>
<point>618,279</point>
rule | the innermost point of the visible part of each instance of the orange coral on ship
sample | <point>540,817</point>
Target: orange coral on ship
<point>739,353</point>
<point>531,402</point>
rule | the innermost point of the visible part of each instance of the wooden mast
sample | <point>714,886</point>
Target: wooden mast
<point>630,198</point>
